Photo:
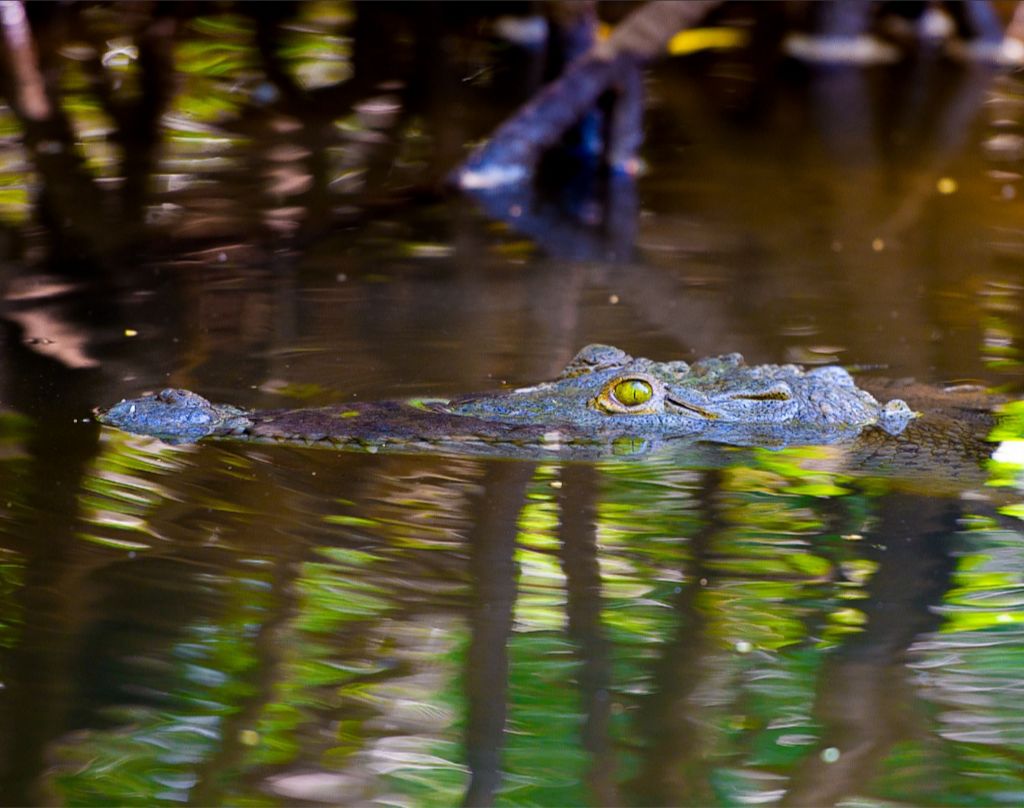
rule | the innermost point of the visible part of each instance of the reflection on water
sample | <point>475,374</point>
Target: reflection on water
<point>263,625</point>
<point>231,624</point>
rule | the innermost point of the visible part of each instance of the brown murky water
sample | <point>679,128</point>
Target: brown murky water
<point>251,624</point>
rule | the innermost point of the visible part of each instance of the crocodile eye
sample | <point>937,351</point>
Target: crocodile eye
<point>632,392</point>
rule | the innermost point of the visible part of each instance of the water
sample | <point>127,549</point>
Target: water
<point>245,624</point>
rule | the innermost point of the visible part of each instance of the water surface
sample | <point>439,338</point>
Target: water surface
<point>245,624</point>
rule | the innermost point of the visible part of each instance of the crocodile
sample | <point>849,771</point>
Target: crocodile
<point>603,399</point>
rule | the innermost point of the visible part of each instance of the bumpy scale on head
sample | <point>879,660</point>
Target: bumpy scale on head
<point>172,415</point>
<point>605,389</point>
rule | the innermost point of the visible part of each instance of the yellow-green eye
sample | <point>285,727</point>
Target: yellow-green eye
<point>632,392</point>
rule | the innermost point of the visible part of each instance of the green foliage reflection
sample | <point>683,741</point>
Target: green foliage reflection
<point>697,643</point>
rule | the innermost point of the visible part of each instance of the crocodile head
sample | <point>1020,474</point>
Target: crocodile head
<point>605,390</point>
<point>176,416</point>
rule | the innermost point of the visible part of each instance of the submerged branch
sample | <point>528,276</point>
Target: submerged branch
<point>518,144</point>
<point>29,89</point>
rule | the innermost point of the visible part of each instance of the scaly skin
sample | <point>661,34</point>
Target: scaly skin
<point>678,398</point>
<point>603,399</point>
<point>180,416</point>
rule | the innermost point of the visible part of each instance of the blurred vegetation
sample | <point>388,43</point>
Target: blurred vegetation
<point>259,625</point>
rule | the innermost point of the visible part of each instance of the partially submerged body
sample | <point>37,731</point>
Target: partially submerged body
<point>603,398</point>
<point>605,403</point>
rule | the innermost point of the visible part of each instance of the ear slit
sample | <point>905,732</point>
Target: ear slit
<point>773,396</point>
<point>683,405</point>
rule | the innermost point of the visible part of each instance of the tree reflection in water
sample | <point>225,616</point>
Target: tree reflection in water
<point>245,202</point>
<point>624,633</point>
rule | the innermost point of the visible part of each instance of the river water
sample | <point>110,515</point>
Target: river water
<point>252,624</point>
